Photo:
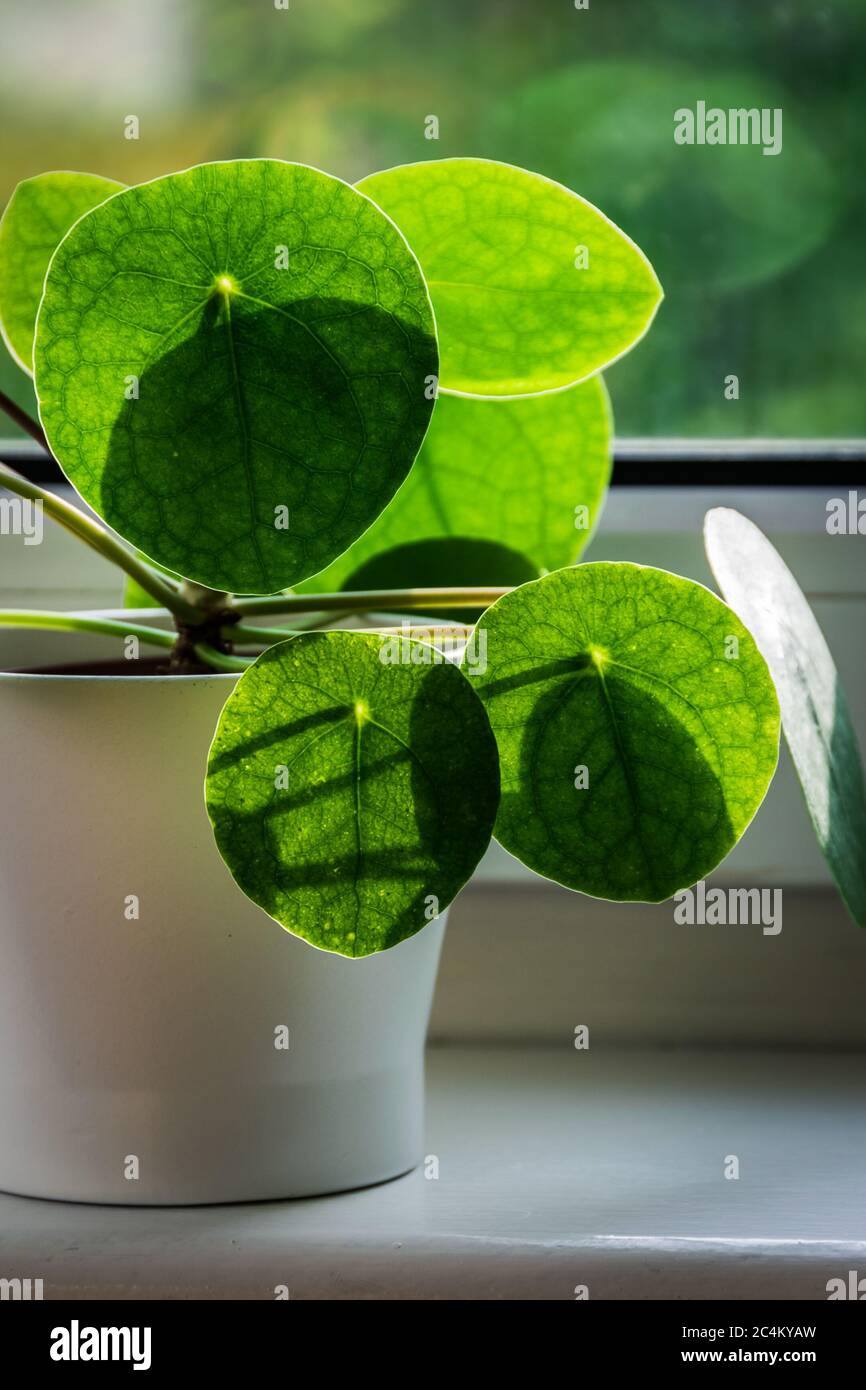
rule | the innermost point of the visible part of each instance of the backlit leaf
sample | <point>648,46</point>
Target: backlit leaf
<point>37,217</point>
<point>233,368</point>
<point>532,286</point>
<point>637,724</point>
<point>352,795</point>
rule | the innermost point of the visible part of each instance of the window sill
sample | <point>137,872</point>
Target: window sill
<point>557,1168</point>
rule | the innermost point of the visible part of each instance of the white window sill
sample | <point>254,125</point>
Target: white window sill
<point>557,1168</point>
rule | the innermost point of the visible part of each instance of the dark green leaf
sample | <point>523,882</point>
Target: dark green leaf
<point>520,308</point>
<point>352,796</point>
<point>758,584</point>
<point>637,724</point>
<point>233,367</point>
<point>37,217</point>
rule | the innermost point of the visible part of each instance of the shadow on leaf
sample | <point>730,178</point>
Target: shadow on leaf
<point>652,817</point>
<point>257,448</point>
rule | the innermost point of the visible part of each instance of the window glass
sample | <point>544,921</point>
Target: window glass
<point>759,243</point>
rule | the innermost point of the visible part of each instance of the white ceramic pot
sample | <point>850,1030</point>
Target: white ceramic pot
<point>137,1056</point>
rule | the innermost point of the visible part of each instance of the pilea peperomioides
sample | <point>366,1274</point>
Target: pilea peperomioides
<point>294,397</point>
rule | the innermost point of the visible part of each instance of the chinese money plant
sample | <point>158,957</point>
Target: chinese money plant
<point>287,396</point>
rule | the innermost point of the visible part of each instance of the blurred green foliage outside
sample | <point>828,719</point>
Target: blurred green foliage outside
<point>761,257</point>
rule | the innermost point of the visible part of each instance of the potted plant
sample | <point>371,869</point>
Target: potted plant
<point>237,368</point>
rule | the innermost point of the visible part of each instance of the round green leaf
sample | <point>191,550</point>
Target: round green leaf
<point>233,367</point>
<point>529,473</point>
<point>637,724</point>
<point>446,562</point>
<point>37,217</point>
<point>352,794</point>
<point>503,251</point>
<point>758,584</point>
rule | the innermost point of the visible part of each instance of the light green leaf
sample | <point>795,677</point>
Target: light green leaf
<point>37,217</point>
<point>233,367</point>
<point>529,473</point>
<point>136,597</point>
<point>501,249</point>
<point>759,586</point>
<point>448,562</point>
<point>352,795</point>
<point>636,739</point>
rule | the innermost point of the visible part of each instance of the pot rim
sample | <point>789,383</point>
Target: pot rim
<point>7,676</point>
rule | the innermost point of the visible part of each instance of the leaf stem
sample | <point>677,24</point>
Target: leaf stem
<point>371,600</point>
<point>266,636</point>
<point>37,618</point>
<point>319,620</point>
<point>447,630</point>
<point>242,632</point>
<point>209,656</point>
<point>23,420</point>
<point>96,536</point>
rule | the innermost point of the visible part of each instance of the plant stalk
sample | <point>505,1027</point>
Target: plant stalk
<point>261,636</point>
<point>37,618</point>
<point>209,656</point>
<point>371,601</point>
<point>264,636</point>
<point>23,420</point>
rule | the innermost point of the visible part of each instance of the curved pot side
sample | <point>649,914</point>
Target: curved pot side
<point>137,1056</point>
